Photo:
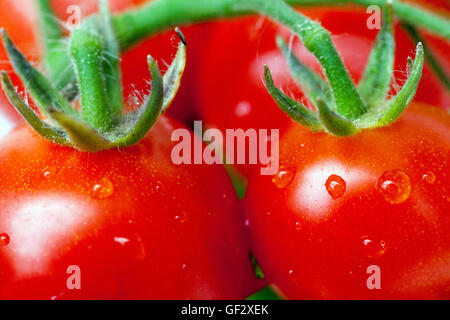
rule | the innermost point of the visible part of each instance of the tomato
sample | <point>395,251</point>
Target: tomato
<point>339,208</point>
<point>234,94</point>
<point>137,226</point>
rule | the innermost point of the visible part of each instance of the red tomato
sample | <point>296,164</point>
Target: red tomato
<point>234,94</point>
<point>138,226</point>
<point>340,206</point>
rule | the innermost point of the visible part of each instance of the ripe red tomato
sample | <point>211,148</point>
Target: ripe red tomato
<point>341,207</point>
<point>137,226</point>
<point>234,94</point>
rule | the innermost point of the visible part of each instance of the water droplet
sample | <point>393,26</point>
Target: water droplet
<point>298,225</point>
<point>395,186</point>
<point>184,266</point>
<point>336,186</point>
<point>247,222</point>
<point>103,189</point>
<point>48,173</point>
<point>429,177</point>
<point>373,248</point>
<point>4,239</point>
<point>182,217</point>
<point>123,241</point>
<point>283,178</point>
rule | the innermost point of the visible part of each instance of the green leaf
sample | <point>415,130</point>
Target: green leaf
<point>293,108</point>
<point>309,81</point>
<point>377,77</point>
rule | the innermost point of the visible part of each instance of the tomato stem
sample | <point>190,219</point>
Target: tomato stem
<point>87,54</point>
<point>135,25</point>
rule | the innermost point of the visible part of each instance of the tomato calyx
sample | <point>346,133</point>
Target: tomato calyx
<point>101,123</point>
<point>345,119</point>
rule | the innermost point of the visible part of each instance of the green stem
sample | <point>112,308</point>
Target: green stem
<point>86,51</point>
<point>136,25</point>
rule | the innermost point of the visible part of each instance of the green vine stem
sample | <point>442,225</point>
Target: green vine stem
<point>134,25</point>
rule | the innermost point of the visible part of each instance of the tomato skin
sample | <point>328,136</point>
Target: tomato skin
<point>313,246</point>
<point>138,226</point>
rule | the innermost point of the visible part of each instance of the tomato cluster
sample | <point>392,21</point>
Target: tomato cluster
<point>360,217</point>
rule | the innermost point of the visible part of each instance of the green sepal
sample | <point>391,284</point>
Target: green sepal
<point>46,130</point>
<point>315,87</point>
<point>377,77</point>
<point>429,55</point>
<point>398,104</point>
<point>294,109</point>
<point>143,119</point>
<point>40,88</point>
<point>82,136</point>
<point>172,77</point>
<point>334,123</point>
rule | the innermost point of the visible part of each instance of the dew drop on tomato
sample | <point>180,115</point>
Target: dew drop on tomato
<point>429,177</point>
<point>298,225</point>
<point>283,178</point>
<point>336,186</point>
<point>373,248</point>
<point>103,189</point>
<point>4,239</point>
<point>182,217</point>
<point>395,186</point>
<point>48,173</point>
